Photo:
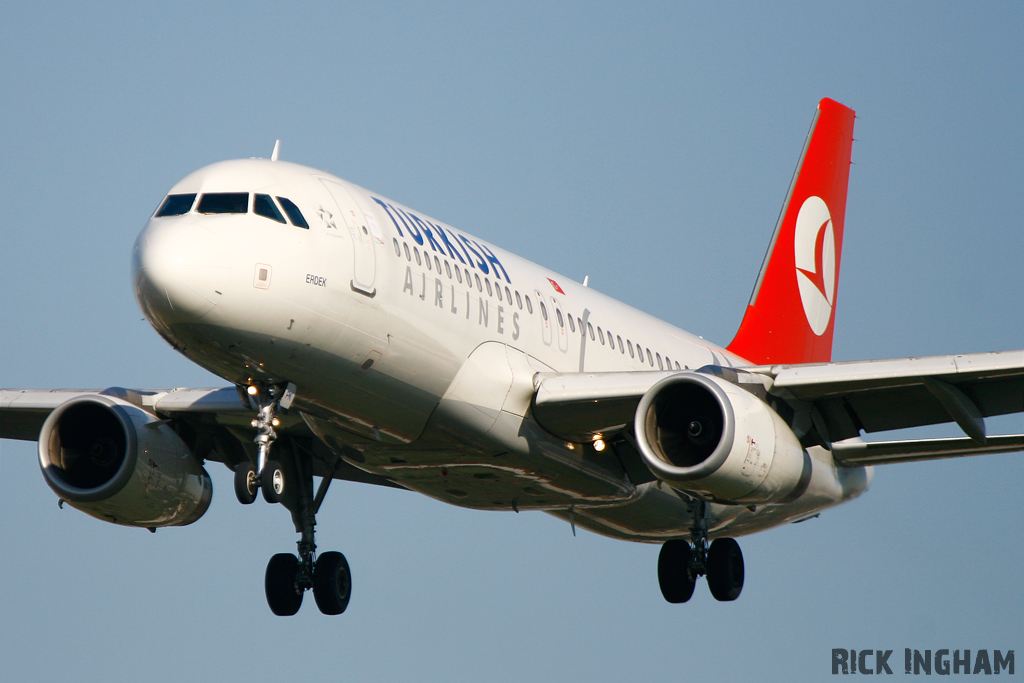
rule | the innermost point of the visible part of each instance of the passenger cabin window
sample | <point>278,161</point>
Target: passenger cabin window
<point>294,215</point>
<point>176,205</point>
<point>224,202</point>
<point>263,205</point>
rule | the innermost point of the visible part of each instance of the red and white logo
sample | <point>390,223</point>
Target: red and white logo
<point>814,244</point>
<point>555,285</point>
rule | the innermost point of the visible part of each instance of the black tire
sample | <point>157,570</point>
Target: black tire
<point>332,583</point>
<point>272,482</point>
<point>246,483</point>
<point>725,569</point>
<point>283,596</point>
<point>674,575</point>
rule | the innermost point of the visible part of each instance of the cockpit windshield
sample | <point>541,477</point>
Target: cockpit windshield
<point>224,202</point>
<point>233,202</point>
<point>264,206</point>
<point>176,205</point>
<point>293,213</point>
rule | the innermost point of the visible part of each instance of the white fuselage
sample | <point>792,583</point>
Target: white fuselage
<point>414,347</point>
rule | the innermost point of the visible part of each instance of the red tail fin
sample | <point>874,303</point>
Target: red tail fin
<point>791,313</point>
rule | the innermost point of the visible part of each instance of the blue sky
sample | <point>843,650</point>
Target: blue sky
<point>646,146</point>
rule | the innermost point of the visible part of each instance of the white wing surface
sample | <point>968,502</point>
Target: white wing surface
<point>828,404</point>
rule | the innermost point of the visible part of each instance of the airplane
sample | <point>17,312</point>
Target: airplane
<point>366,341</point>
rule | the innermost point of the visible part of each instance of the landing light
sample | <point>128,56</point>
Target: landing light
<point>275,422</point>
<point>252,390</point>
<point>598,445</point>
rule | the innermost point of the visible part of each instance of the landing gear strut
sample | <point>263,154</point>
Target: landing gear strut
<point>288,576</point>
<point>268,474</point>
<point>679,563</point>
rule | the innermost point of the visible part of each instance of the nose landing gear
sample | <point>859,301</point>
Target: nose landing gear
<point>680,564</point>
<point>268,474</point>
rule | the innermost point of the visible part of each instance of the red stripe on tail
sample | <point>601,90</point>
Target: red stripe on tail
<point>791,313</point>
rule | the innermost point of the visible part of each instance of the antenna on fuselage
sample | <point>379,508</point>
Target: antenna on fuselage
<point>277,148</point>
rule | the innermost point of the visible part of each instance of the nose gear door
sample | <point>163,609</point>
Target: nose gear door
<point>365,265</point>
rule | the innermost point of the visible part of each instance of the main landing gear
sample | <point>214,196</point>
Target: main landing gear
<point>289,481</point>
<point>679,563</point>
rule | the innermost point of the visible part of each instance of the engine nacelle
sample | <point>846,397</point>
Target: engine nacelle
<point>700,433</point>
<point>119,463</point>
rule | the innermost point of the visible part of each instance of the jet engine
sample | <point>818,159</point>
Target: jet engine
<point>117,462</point>
<point>700,433</point>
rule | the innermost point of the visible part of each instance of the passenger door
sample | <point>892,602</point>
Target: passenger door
<point>364,259</point>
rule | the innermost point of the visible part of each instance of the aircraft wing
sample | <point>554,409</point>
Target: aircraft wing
<point>23,411</point>
<point>837,401</point>
<point>216,423</point>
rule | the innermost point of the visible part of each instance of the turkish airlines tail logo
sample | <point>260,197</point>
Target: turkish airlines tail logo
<point>814,246</point>
<point>791,314</point>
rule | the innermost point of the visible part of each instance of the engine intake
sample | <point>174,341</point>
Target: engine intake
<point>119,463</point>
<point>700,433</point>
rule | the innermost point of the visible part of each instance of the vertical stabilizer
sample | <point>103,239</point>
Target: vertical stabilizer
<point>791,313</point>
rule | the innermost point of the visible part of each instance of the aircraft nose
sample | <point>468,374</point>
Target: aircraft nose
<point>180,271</point>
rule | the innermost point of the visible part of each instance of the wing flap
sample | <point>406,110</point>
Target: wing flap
<point>855,453</point>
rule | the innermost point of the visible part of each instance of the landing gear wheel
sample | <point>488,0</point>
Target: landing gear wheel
<point>272,482</point>
<point>283,595</point>
<point>674,574</point>
<point>246,483</point>
<point>332,583</point>
<point>725,569</point>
